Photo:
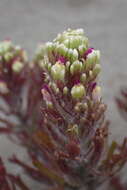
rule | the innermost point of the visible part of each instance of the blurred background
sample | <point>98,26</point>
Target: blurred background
<point>29,22</point>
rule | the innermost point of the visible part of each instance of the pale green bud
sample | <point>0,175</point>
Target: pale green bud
<point>75,41</point>
<point>67,65</point>
<point>17,66</point>
<point>85,106</point>
<point>82,49</point>
<point>91,75</point>
<point>76,67</point>
<point>49,104</point>
<point>49,65</point>
<point>81,106</point>
<point>55,46</point>
<point>54,87</point>
<point>78,91</point>
<point>96,69</point>
<point>93,57</point>
<point>80,31</point>
<point>76,108</point>
<point>67,43</point>
<point>75,55</point>
<point>49,46</point>
<point>70,53</point>
<point>17,48</point>
<point>3,88</point>
<point>58,71</point>
<point>40,52</point>
<point>41,64</point>
<point>8,56</point>
<point>6,46</point>
<point>61,48</point>
<point>57,90</point>
<point>85,41</point>
<point>65,90</point>
<point>96,94</point>
<point>83,78</point>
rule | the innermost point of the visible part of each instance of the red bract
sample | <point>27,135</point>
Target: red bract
<point>9,181</point>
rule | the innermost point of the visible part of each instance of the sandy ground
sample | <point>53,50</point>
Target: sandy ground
<point>29,22</point>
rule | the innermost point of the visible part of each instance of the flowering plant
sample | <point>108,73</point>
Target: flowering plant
<point>60,116</point>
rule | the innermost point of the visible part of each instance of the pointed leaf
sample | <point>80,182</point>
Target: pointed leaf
<point>49,173</point>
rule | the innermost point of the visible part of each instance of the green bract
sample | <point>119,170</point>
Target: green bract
<point>78,91</point>
<point>58,71</point>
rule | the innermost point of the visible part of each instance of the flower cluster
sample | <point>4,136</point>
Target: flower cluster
<point>19,100</point>
<point>74,132</point>
<point>12,62</point>
<point>61,115</point>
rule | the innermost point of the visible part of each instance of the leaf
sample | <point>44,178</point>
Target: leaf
<point>49,173</point>
<point>110,153</point>
<point>32,172</point>
<point>111,150</point>
<point>42,138</point>
<point>18,181</point>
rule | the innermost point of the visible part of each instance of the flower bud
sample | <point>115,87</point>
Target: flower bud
<point>75,41</point>
<point>96,94</point>
<point>80,31</point>
<point>76,67</point>
<point>62,49</point>
<point>78,91</point>
<point>70,54</point>
<point>66,43</point>
<point>75,55</point>
<point>17,66</point>
<point>54,87</point>
<point>58,71</point>
<point>3,88</point>
<point>83,78</point>
<point>96,70</point>
<point>65,90</point>
<point>68,65</point>
<point>5,47</point>
<point>49,66</point>
<point>8,56</point>
<point>92,58</point>
<point>82,49</point>
<point>49,105</point>
<point>49,46</point>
